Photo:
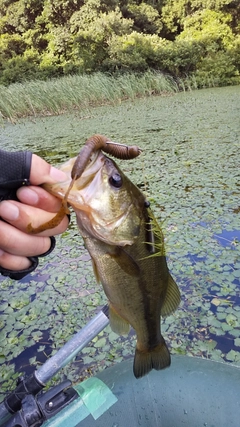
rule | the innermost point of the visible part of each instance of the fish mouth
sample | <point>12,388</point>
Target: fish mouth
<point>94,165</point>
<point>59,189</point>
<point>91,197</point>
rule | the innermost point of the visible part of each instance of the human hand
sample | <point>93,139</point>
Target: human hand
<point>35,206</point>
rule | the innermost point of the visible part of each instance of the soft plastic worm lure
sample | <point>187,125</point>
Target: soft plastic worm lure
<point>101,142</point>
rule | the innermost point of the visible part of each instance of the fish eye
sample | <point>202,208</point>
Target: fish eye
<point>115,180</point>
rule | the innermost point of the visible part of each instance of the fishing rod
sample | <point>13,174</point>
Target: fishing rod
<point>27,405</point>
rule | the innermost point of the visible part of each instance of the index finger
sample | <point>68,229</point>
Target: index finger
<point>39,198</point>
<point>42,172</point>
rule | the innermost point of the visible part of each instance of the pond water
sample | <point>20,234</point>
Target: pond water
<point>189,170</point>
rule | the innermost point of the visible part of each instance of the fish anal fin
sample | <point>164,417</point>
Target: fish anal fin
<point>172,298</point>
<point>119,325</point>
<point>125,261</point>
<point>146,360</point>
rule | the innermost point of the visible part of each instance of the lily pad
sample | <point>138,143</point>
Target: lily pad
<point>189,172</point>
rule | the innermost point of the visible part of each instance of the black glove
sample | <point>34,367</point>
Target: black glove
<point>14,173</point>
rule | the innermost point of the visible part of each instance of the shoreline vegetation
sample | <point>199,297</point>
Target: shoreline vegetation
<point>68,55</point>
<point>78,92</point>
<point>46,39</point>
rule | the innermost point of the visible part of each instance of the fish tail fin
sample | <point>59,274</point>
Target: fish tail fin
<point>146,360</point>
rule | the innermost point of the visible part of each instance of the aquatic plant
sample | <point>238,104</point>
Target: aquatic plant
<point>189,170</point>
<point>77,92</point>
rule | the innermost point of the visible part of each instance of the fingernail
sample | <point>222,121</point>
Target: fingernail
<point>57,175</point>
<point>9,211</point>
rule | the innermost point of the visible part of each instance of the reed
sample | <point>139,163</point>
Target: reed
<point>77,92</point>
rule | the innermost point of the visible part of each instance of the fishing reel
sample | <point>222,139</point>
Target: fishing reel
<point>30,410</point>
<point>28,405</point>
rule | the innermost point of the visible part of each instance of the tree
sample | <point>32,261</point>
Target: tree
<point>135,51</point>
<point>92,34</point>
<point>53,37</point>
<point>59,12</point>
<point>212,30</point>
<point>175,12</point>
<point>145,17</point>
<point>16,17</point>
<point>209,27</point>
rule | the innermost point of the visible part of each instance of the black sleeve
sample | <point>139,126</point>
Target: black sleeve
<point>14,173</point>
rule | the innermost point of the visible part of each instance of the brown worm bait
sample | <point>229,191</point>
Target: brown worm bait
<point>93,144</point>
<point>52,223</point>
<point>101,142</point>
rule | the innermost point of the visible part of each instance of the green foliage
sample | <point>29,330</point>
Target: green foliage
<point>42,39</point>
<point>216,65</point>
<point>11,45</point>
<point>140,52</point>
<point>135,51</point>
<point>174,12</point>
<point>58,12</point>
<point>78,92</point>
<point>173,15</point>
<point>145,17</point>
<point>210,27</point>
<point>19,16</point>
<point>216,69</point>
<point>180,58</point>
<point>234,51</point>
<point>16,68</point>
<point>92,36</point>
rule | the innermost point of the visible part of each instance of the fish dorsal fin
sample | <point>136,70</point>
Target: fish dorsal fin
<point>118,325</point>
<point>172,298</point>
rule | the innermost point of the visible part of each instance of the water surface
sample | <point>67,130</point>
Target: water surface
<point>189,171</point>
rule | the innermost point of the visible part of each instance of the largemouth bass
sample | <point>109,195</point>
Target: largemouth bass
<point>127,250</point>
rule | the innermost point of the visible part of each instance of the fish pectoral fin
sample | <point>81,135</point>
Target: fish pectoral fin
<point>95,270</point>
<point>172,298</point>
<point>155,358</point>
<point>119,325</point>
<point>125,261</point>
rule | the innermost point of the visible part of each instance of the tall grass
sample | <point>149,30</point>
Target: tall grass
<point>77,92</point>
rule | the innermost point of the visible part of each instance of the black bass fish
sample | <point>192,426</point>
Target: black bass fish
<point>127,250</point>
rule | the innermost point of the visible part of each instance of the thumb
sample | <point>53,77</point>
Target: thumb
<point>42,172</point>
